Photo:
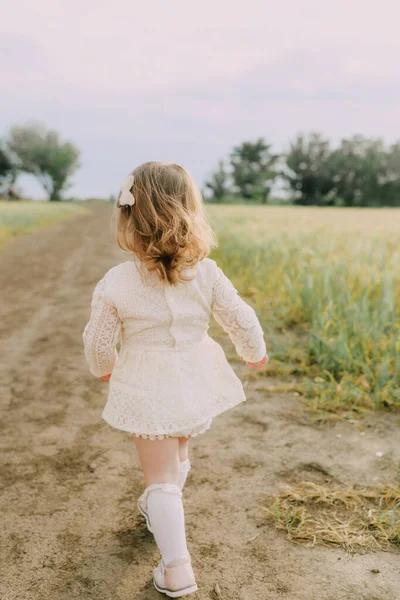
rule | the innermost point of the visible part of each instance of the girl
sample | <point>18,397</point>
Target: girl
<point>169,379</point>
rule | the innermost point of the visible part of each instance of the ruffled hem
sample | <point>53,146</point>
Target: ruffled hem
<point>191,433</point>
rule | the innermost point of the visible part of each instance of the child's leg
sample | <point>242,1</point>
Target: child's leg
<point>163,497</point>
<point>159,459</point>
<point>184,461</point>
<point>183,448</point>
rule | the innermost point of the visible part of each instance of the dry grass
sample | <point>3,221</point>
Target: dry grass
<point>359,520</point>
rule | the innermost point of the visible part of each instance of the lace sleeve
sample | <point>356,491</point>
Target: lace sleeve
<point>101,333</point>
<point>238,319</point>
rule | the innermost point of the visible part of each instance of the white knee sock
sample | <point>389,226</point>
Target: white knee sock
<point>183,473</point>
<point>165,510</point>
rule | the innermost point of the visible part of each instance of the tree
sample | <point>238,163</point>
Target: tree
<point>360,166</point>
<point>309,171</point>
<point>6,165</point>
<point>8,172</point>
<point>253,169</point>
<point>390,186</point>
<point>42,153</point>
<point>219,184</point>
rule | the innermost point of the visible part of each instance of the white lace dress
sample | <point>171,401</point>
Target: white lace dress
<point>169,377</point>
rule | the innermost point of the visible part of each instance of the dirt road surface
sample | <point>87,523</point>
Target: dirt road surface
<point>70,526</point>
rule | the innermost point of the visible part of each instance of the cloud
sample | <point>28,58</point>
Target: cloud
<point>173,80</point>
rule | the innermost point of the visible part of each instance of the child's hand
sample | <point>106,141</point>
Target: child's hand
<point>105,377</point>
<point>259,365</point>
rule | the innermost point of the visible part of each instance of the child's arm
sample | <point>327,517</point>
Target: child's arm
<point>101,334</point>
<point>238,319</point>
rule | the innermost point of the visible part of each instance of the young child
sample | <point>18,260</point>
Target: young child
<point>169,379</point>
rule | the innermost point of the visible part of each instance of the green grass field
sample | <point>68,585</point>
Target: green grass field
<point>326,285</point>
<point>22,216</point>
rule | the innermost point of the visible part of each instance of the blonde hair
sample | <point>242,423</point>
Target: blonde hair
<point>166,227</point>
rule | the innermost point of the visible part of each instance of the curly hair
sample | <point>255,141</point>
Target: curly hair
<point>166,227</point>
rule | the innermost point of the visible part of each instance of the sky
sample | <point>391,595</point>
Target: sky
<point>185,81</point>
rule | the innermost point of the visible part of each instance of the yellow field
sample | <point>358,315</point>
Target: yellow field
<point>326,285</point>
<point>21,216</point>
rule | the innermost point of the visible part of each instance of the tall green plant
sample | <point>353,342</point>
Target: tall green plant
<point>333,301</point>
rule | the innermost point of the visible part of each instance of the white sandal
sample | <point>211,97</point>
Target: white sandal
<point>176,580</point>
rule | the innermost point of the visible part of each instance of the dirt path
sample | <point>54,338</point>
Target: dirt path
<point>71,527</point>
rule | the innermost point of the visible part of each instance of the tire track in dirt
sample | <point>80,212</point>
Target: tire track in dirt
<point>70,482</point>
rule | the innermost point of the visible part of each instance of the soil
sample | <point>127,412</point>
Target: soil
<point>70,525</point>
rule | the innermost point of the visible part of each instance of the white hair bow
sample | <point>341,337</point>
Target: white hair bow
<point>126,196</point>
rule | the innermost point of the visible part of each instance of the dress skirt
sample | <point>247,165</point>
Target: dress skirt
<point>171,392</point>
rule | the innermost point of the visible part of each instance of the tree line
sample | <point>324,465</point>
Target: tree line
<point>36,150</point>
<point>357,172</point>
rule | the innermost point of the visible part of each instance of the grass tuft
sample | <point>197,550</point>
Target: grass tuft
<point>358,520</point>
